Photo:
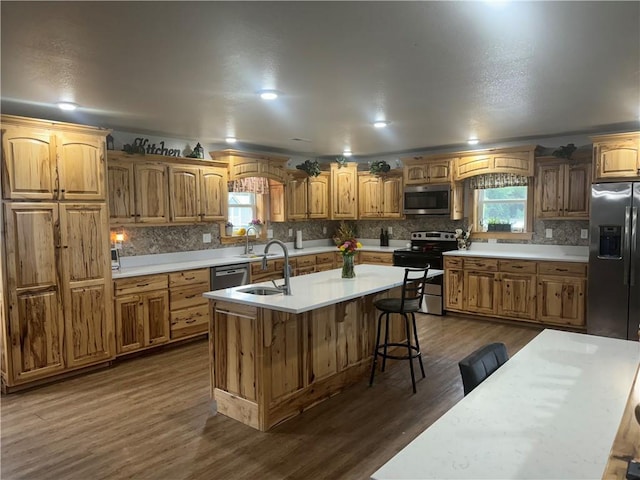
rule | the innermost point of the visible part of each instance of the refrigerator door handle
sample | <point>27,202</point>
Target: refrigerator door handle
<point>626,238</point>
<point>634,244</point>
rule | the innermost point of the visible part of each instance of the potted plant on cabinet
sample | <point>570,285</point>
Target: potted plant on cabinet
<point>228,229</point>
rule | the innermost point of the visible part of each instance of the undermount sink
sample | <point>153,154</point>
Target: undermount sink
<point>255,255</point>
<point>261,291</point>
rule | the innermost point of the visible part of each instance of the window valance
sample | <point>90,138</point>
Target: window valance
<point>258,185</point>
<point>497,180</point>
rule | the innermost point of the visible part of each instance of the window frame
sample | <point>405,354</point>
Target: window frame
<point>528,224</point>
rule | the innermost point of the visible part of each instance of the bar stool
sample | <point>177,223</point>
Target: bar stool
<point>409,303</point>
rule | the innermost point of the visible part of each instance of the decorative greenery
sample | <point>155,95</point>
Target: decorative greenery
<point>311,168</point>
<point>341,161</point>
<point>344,232</point>
<point>565,152</point>
<point>136,148</point>
<point>379,167</point>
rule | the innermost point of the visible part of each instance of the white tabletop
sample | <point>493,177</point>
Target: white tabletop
<point>551,412</point>
<point>317,290</point>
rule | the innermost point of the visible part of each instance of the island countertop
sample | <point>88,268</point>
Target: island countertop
<point>318,290</point>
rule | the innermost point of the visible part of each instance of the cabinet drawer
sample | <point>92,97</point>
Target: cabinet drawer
<point>379,258</point>
<point>190,277</point>
<point>486,264</point>
<point>324,258</point>
<point>305,270</point>
<point>256,268</point>
<point>279,264</point>
<point>306,261</point>
<point>452,262</point>
<point>563,268</point>
<point>148,283</point>
<point>323,267</point>
<point>189,321</point>
<point>517,266</point>
<point>187,297</point>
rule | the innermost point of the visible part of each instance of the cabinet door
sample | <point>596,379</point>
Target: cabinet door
<point>276,202</point>
<point>391,193</point>
<point>416,174</point>
<point>213,194</point>
<point>151,193</point>
<point>561,300</point>
<point>549,191</point>
<point>453,288</point>
<point>457,201</point>
<point>86,280</point>
<point>517,296</point>
<point>344,192</point>
<point>184,194</point>
<point>369,196</point>
<point>297,198</point>
<point>81,167</point>
<point>120,192</point>
<point>129,313</point>
<point>318,197</point>
<point>35,330</point>
<point>473,165</point>
<point>157,327</point>
<point>439,171</point>
<point>29,164</point>
<point>577,190</point>
<point>480,291</point>
<point>618,158</point>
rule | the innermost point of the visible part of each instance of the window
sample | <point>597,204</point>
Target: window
<point>242,209</point>
<point>503,209</point>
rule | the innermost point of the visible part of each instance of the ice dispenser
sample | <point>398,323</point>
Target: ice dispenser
<point>610,242</point>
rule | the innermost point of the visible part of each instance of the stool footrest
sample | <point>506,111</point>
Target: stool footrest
<point>380,349</point>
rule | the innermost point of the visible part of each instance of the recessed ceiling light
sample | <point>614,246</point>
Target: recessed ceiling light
<point>347,153</point>
<point>67,106</point>
<point>231,139</point>
<point>380,123</point>
<point>268,94</point>
<point>473,141</point>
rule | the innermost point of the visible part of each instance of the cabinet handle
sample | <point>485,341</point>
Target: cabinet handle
<point>142,284</point>
<point>189,278</point>
<point>190,296</point>
<point>516,266</point>
<point>562,270</point>
<point>191,321</point>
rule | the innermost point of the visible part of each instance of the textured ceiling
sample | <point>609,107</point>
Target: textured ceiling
<point>440,72</point>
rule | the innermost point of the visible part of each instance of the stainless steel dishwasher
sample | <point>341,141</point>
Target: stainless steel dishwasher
<point>227,276</point>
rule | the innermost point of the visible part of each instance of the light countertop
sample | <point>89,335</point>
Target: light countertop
<point>318,290</point>
<point>551,411</point>
<point>512,251</point>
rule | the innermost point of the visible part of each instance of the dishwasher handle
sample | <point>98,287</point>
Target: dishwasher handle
<point>235,271</point>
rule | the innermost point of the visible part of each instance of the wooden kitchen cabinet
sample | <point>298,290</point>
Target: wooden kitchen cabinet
<point>517,295</point>
<point>51,161</point>
<point>197,194</point>
<point>213,194</point>
<point>480,289</point>
<point>562,293</point>
<point>616,157</point>
<point>344,192</point>
<point>379,196</point>
<point>141,312</point>
<point>308,197</point>
<point>376,258</point>
<point>563,189</point>
<point>189,310</point>
<point>151,192</point>
<point>516,160</point>
<point>121,195</point>
<point>421,170</point>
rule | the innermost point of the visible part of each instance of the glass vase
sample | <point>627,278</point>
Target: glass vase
<point>347,266</point>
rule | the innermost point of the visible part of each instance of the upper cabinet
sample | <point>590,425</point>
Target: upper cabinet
<point>308,197</point>
<point>43,162</point>
<point>616,156</point>
<point>344,191</point>
<point>517,160</point>
<point>420,170</point>
<point>144,190</point>
<point>563,188</point>
<point>247,164</point>
<point>380,196</point>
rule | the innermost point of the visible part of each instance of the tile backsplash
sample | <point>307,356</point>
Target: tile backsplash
<point>182,238</point>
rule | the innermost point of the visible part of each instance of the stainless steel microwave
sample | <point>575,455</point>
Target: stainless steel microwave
<point>427,199</point>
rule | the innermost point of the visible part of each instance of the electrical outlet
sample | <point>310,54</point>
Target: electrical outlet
<point>291,232</point>
<point>206,238</point>
<point>492,240</point>
<point>269,233</point>
<point>118,245</point>
<point>548,233</point>
<point>324,230</point>
<point>390,230</point>
<point>584,233</point>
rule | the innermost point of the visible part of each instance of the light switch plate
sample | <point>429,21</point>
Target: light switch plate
<point>390,230</point>
<point>291,232</point>
<point>548,233</point>
<point>269,233</point>
<point>324,230</point>
<point>206,238</point>
<point>584,233</point>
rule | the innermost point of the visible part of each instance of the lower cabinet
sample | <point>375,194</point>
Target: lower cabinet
<point>551,293</point>
<point>189,310</point>
<point>376,258</point>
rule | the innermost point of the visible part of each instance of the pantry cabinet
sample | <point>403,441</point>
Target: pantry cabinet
<point>616,157</point>
<point>344,192</point>
<point>379,196</point>
<point>563,189</point>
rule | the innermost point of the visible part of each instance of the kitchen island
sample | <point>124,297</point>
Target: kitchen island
<point>274,356</point>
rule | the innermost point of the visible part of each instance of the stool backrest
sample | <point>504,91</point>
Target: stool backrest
<point>476,367</point>
<point>413,288</point>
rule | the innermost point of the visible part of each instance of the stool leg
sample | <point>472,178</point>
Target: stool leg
<point>386,342</point>
<point>415,336</point>
<point>408,330</point>
<point>375,351</point>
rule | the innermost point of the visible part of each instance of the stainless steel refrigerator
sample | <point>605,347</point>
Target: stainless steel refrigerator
<point>614,261</point>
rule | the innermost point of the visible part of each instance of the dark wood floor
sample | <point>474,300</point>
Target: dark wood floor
<point>150,417</point>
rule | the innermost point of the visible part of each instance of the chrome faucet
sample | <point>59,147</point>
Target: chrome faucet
<point>286,288</point>
<point>248,250</point>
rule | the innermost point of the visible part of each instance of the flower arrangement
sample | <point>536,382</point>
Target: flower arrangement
<point>256,222</point>
<point>349,247</point>
<point>228,225</point>
<point>463,238</point>
<point>345,240</point>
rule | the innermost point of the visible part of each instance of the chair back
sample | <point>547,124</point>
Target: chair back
<point>413,287</point>
<point>478,366</point>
